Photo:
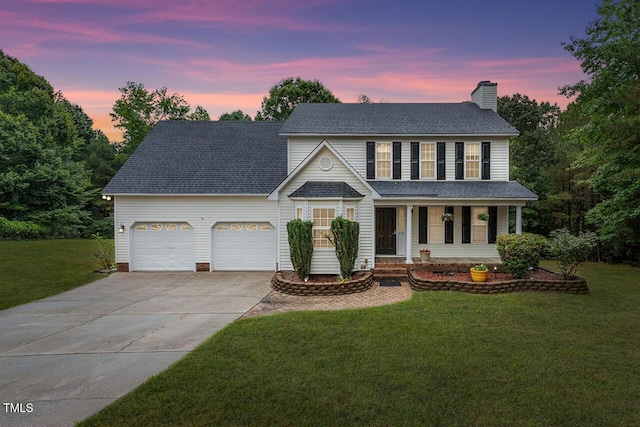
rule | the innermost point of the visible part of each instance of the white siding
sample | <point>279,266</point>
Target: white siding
<point>201,212</point>
<point>353,150</point>
<point>324,260</point>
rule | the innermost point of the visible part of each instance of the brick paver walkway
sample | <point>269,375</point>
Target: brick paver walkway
<point>277,302</point>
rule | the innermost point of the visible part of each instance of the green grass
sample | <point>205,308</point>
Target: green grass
<point>31,270</point>
<point>441,358</point>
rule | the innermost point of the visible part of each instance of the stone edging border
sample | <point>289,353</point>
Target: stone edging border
<point>574,286</point>
<point>291,287</point>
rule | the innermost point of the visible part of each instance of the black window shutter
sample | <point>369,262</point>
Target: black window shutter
<point>466,224</point>
<point>397,157</point>
<point>459,160</point>
<point>440,148</point>
<point>371,160</point>
<point>493,224</point>
<point>415,160</point>
<point>486,160</point>
<point>448,226</point>
<point>422,226</point>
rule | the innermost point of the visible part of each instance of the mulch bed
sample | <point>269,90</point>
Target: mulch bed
<point>318,278</point>
<point>491,277</point>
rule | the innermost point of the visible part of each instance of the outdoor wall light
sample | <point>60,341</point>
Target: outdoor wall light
<point>107,198</point>
<point>121,228</point>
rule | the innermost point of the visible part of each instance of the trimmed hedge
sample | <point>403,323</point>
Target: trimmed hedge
<point>518,252</point>
<point>300,235</point>
<point>21,230</point>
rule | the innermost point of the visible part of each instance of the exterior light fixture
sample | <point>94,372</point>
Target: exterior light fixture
<point>107,198</point>
<point>121,228</point>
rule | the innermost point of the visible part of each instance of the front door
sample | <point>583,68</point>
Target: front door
<point>386,231</point>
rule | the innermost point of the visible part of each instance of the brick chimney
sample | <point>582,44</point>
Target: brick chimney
<point>486,95</point>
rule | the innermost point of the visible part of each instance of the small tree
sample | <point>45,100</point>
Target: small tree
<point>570,250</point>
<point>300,234</point>
<point>345,239</point>
<point>104,256</point>
<point>518,252</point>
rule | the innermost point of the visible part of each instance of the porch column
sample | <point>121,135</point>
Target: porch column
<point>408,235</point>
<point>518,219</point>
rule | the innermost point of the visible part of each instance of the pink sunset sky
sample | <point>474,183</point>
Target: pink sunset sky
<point>225,55</point>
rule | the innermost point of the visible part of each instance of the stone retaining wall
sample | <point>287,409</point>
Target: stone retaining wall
<point>361,281</point>
<point>575,286</point>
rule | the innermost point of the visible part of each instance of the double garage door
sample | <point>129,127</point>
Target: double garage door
<point>171,247</point>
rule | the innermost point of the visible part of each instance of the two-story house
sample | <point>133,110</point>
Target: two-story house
<point>218,195</point>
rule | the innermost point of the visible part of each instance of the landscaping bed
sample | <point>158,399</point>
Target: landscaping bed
<point>540,280</point>
<point>289,283</point>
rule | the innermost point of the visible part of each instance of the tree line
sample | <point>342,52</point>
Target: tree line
<point>583,162</point>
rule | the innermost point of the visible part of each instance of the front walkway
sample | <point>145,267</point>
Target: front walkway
<point>277,302</point>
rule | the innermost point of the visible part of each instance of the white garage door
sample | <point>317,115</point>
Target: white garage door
<point>163,246</point>
<point>244,246</point>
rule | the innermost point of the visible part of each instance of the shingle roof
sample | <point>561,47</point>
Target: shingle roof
<point>453,189</point>
<point>324,189</point>
<point>217,157</point>
<point>396,119</point>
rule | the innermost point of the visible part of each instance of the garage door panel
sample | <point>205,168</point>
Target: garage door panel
<point>244,246</point>
<point>163,247</point>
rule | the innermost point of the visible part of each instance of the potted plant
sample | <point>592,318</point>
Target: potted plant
<point>483,216</point>
<point>425,255</point>
<point>447,216</point>
<point>479,273</point>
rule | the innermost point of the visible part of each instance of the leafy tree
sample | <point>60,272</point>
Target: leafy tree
<point>138,110</point>
<point>236,115</point>
<point>364,99</point>
<point>570,250</point>
<point>610,98</point>
<point>532,153</point>
<point>41,182</point>
<point>286,94</point>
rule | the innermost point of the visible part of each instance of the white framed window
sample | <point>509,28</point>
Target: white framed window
<point>221,227</point>
<point>252,227</point>
<point>427,160</point>
<point>436,224</point>
<point>383,160</point>
<point>478,226</point>
<point>322,218</point>
<point>236,227</point>
<point>156,227</point>
<point>185,227</point>
<point>142,227</point>
<point>351,214</point>
<point>472,160</point>
<point>265,227</point>
<point>300,213</point>
<point>172,227</point>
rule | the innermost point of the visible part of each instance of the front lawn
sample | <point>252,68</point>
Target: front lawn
<point>441,358</point>
<point>31,270</point>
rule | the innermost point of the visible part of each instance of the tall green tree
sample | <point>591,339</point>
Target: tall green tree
<point>236,115</point>
<point>610,56</point>
<point>286,94</point>
<point>139,109</point>
<point>532,153</point>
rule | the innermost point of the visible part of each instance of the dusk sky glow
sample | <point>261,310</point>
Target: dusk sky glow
<point>225,55</point>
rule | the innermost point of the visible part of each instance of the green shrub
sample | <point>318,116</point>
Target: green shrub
<point>21,230</point>
<point>570,250</point>
<point>518,252</point>
<point>105,255</point>
<point>345,239</point>
<point>300,234</point>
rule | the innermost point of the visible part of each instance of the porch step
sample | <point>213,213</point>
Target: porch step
<point>390,272</point>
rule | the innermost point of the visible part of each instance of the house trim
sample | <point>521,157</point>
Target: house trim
<point>275,194</point>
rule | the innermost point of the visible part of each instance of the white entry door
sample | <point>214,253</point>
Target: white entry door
<point>244,246</point>
<point>163,246</point>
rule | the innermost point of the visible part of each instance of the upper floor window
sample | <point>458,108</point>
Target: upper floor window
<point>383,160</point>
<point>472,160</point>
<point>427,160</point>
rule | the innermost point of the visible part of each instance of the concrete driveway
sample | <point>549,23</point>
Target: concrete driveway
<point>65,357</point>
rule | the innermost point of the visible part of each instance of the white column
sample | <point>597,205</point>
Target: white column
<point>408,234</point>
<point>518,219</point>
